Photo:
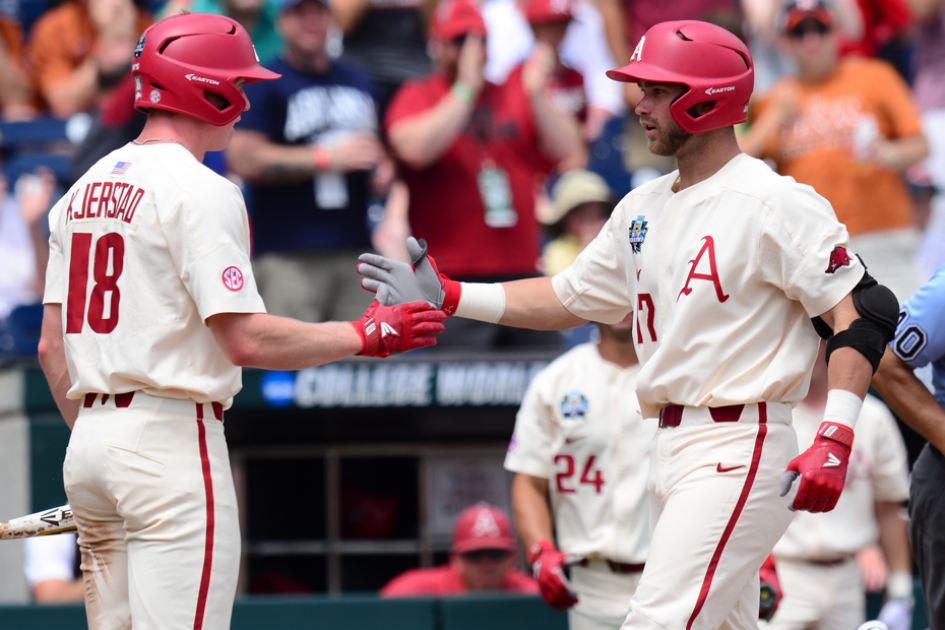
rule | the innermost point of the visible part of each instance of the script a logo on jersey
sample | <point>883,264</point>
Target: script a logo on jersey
<point>233,278</point>
<point>637,234</point>
<point>574,406</point>
<point>838,258</point>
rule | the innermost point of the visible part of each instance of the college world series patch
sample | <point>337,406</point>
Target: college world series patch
<point>574,406</point>
<point>637,234</point>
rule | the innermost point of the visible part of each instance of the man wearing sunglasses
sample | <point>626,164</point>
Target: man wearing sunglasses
<point>848,127</point>
<point>483,558</point>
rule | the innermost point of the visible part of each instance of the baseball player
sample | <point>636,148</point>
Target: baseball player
<point>580,441</point>
<point>826,562</point>
<point>724,264</point>
<point>919,341</point>
<point>150,309</point>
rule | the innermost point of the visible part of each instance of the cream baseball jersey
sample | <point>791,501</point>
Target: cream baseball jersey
<point>724,277</point>
<point>145,247</point>
<point>580,428</point>
<point>878,471</point>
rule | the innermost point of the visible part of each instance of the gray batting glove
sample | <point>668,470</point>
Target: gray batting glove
<point>397,282</point>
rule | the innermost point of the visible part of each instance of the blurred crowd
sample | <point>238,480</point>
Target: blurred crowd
<point>489,129</point>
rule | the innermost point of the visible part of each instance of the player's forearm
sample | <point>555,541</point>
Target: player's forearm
<point>755,141</point>
<point>530,507</point>
<point>893,536</point>
<point>52,359</point>
<point>910,399</point>
<point>421,140</point>
<point>559,134</point>
<point>59,592</point>
<point>265,162</point>
<point>278,343</point>
<point>532,303</point>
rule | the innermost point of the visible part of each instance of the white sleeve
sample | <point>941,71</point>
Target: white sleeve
<point>50,558</point>
<point>600,285</point>
<point>56,266</point>
<point>208,238</point>
<point>804,251</point>
<point>530,449</point>
<point>889,457</point>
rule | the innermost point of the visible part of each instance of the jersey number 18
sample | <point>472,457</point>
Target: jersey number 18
<point>106,269</point>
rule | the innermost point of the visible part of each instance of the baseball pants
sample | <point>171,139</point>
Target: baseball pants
<point>926,533</point>
<point>717,515</point>
<point>150,485</point>
<point>603,596</point>
<point>818,596</point>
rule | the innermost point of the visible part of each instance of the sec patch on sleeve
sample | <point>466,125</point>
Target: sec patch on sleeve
<point>233,278</point>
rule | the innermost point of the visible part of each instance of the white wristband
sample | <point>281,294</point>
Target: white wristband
<point>485,302</point>
<point>899,586</point>
<point>843,407</point>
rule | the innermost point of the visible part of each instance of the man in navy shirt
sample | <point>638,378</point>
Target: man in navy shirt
<point>920,340</point>
<point>307,148</point>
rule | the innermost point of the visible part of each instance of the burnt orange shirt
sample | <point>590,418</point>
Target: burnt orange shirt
<point>61,40</point>
<point>817,146</point>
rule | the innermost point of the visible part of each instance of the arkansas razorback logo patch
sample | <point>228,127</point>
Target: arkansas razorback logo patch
<point>838,258</point>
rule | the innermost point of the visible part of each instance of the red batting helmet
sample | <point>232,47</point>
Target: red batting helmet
<point>712,62</point>
<point>181,58</point>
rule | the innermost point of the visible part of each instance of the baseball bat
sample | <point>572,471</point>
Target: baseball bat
<point>47,523</point>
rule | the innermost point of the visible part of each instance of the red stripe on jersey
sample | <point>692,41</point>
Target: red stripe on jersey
<point>739,506</point>
<point>208,545</point>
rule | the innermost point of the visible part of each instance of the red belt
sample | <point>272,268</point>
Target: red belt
<point>617,567</point>
<point>123,401</point>
<point>671,415</point>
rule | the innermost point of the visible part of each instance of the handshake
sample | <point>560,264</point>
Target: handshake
<point>412,302</point>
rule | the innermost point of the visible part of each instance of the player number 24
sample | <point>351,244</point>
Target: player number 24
<point>109,248</point>
<point>597,480</point>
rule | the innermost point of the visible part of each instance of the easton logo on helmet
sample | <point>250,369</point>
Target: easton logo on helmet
<point>194,77</point>
<point>139,48</point>
<point>711,91</point>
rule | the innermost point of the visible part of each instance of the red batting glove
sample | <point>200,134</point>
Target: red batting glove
<point>822,469</point>
<point>770,590</point>
<point>385,330</point>
<point>547,564</point>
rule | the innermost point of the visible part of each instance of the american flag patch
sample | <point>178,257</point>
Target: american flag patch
<point>120,168</point>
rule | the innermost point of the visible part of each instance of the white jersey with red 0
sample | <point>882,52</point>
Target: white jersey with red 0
<point>145,247</point>
<point>724,277</point>
<point>580,428</point>
<point>878,471</point>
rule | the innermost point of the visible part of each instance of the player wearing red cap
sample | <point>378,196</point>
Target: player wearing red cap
<point>151,306</point>
<point>724,264</point>
<point>482,559</point>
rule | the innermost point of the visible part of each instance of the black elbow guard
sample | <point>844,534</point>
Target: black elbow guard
<point>876,327</point>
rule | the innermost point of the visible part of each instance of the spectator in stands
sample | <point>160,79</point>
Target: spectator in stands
<point>472,155</point>
<point>15,95</point>
<point>849,128</point>
<point>52,569</point>
<point>483,558</point>
<point>582,48</point>
<point>23,239</point>
<point>580,205</point>
<point>930,96</point>
<point>387,39</point>
<point>307,147</point>
<point>827,562</point>
<point>258,17</point>
<point>81,49</point>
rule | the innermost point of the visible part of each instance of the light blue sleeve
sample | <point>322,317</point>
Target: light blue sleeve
<point>920,335</point>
